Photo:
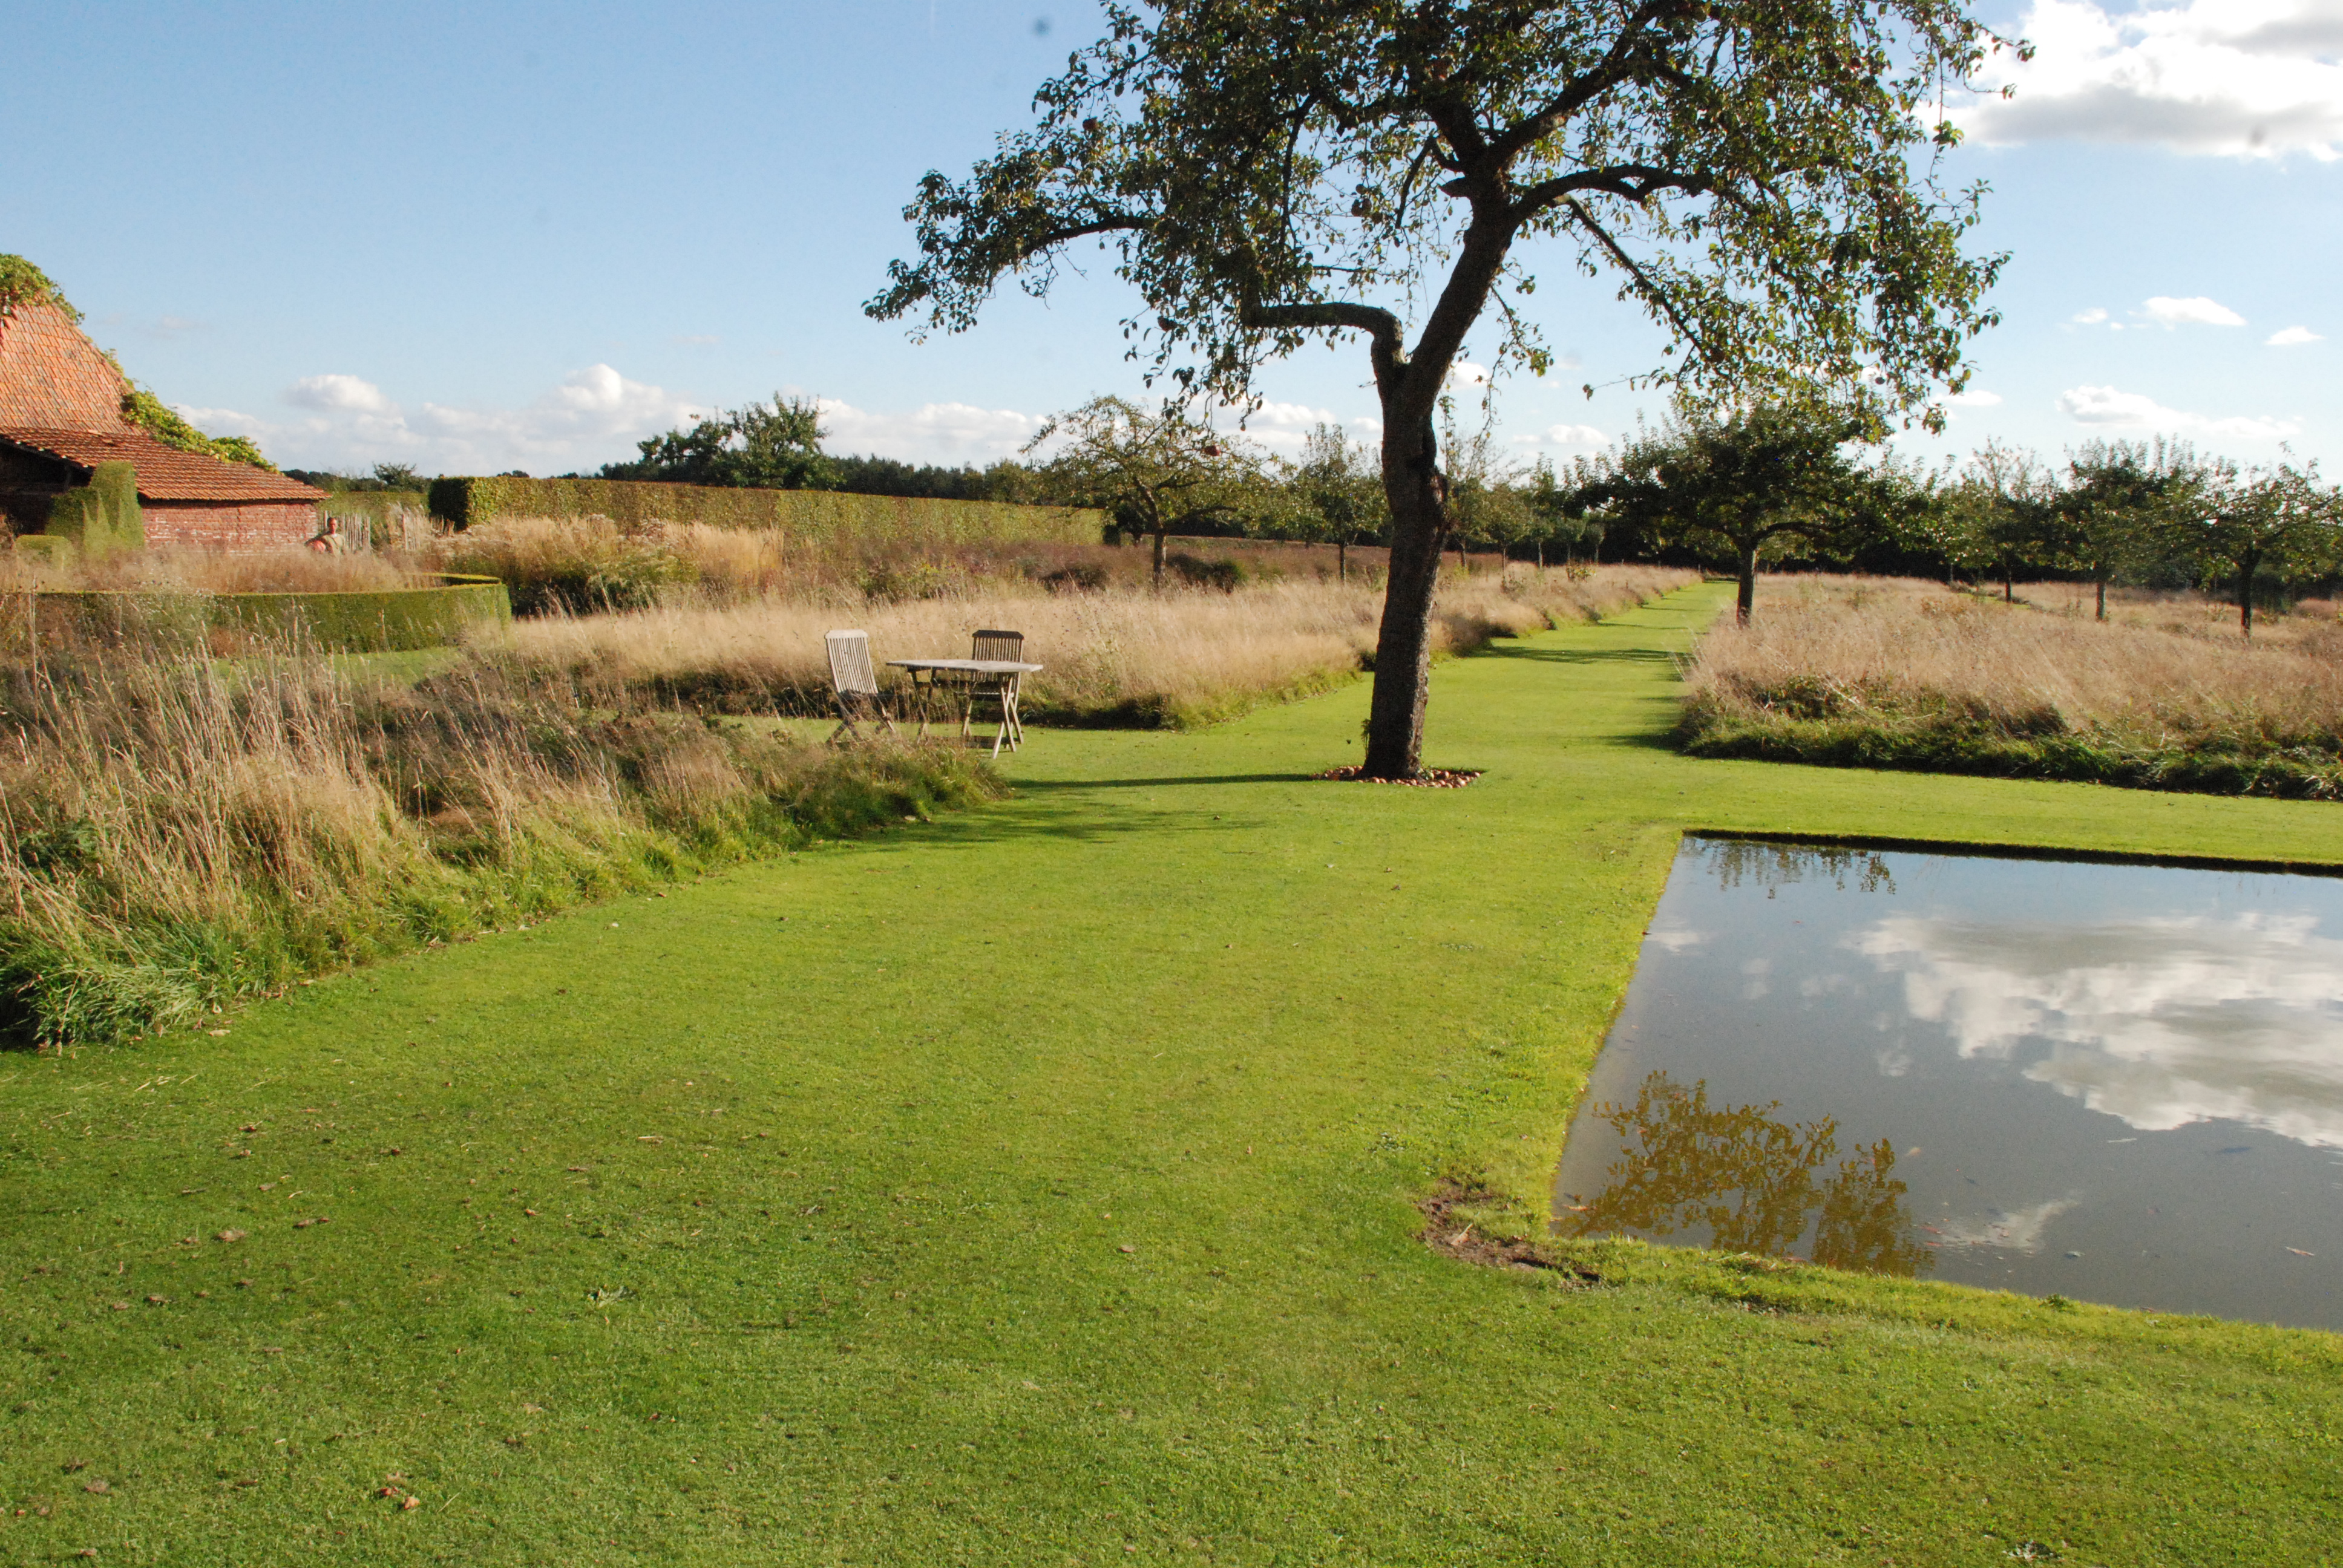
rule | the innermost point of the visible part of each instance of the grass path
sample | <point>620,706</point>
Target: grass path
<point>1038,1187</point>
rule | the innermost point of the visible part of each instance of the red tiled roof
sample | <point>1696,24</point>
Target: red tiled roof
<point>164,473</point>
<point>52,377</point>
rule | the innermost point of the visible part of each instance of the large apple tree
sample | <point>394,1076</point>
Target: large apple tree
<point>1757,175</point>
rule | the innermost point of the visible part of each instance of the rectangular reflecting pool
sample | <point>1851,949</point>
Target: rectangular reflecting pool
<point>2115,1083</point>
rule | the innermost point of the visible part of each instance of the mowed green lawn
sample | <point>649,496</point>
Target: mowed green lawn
<point>1041,1186</point>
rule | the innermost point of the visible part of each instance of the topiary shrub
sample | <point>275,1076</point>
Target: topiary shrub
<point>53,551</point>
<point>102,518</point>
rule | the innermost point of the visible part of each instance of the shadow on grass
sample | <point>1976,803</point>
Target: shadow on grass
<point>1167,781</point>
<point>1579,655</point>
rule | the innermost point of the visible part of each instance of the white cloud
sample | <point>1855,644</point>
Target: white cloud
<point>1464,373</point>
<point>2240,78</point>
<point>337,393</point>
<point>2105,406</point>
<point>2090,317</point>
<point>597,414</point>
<point>2158,1022</point>
<point>347,422</point>
<point>1974,397</point>
<point>2289,337</point>
<point>931,433</point>
<point>2195,311</point>
<point>1283,426</point>
<point>1562,435</point>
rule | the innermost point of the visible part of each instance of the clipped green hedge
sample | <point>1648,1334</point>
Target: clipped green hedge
<point>388,620</point>
<point>825,515</point>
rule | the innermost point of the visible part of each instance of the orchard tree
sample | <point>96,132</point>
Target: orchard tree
<point>2118,505</point>
<point>1738,484</point>
<point>2001,513</point>
<point>1752,173</point>
<point>1336,494</point>
<point>2240,522</point>
<point>1159,473</point>
<point>1487,502</point>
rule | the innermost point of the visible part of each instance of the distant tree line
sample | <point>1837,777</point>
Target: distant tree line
<point>1736,490</point>
<point>1789,486</point>
<point>383,476</point>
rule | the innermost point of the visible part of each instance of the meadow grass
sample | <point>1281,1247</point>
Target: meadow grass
<point>591,563</point>
<point>179,832</point>
<point>1128,656</point>
<point>1044,1184</point>
<point>1895,673</point>
<point>168,570</point>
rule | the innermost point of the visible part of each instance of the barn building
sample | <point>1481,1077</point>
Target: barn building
<point>61,403</point>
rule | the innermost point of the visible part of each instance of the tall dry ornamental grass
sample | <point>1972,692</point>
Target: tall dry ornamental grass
<point>1119,656</point>
<point>179,832</point>
<point>1898,673</point>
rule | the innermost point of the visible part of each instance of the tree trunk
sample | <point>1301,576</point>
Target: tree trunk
<point>1159,560</point>
<point>1541,556</point>
<point>1419,514</point>
<point>1747,599</point>
<point>2246,566</point>
<point>2009,582</point>
<point>2102,598</point>
<point>1341,561</point>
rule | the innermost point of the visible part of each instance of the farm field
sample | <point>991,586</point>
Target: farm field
<point>1040,1185</point>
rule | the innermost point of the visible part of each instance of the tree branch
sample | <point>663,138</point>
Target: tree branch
<point>1634,182</point>
<point>1587,86</point>
<point>1651,290</point>
<point>1380,324</point>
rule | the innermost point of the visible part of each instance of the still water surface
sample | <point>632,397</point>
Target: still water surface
<point>2119,1083</point>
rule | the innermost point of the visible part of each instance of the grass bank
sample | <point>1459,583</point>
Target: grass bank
<point>1873,673</point>
<point>1041,1185</point>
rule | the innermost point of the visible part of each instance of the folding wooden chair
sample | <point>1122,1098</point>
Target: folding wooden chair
<point>1000,690</point>
<point>855,685</point>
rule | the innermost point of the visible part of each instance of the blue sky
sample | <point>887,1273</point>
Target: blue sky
<point>482,236</point>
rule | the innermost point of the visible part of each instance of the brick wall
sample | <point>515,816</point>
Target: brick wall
<point>236,528</point>
<point>52,377</point>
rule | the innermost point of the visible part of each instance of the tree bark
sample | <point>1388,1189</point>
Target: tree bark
<point>1403,641</point>
<point>1746,602</point>
<point>1159,560</point>
<point>2246,566</point>
<point>1341,561</point>
<point>2102,598</point>
<point>1408,386</point>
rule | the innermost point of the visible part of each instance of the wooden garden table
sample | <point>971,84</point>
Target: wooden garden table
<point>1009,671</point>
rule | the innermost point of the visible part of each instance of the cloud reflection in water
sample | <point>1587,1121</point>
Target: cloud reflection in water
<point>2159,1021</point>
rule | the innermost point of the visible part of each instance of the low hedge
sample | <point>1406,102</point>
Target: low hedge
<point>383,621</point>
<point>1950,743</point>
<point>823,516</point>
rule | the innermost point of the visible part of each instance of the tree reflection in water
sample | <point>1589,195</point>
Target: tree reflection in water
<point>1751,1180</point>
